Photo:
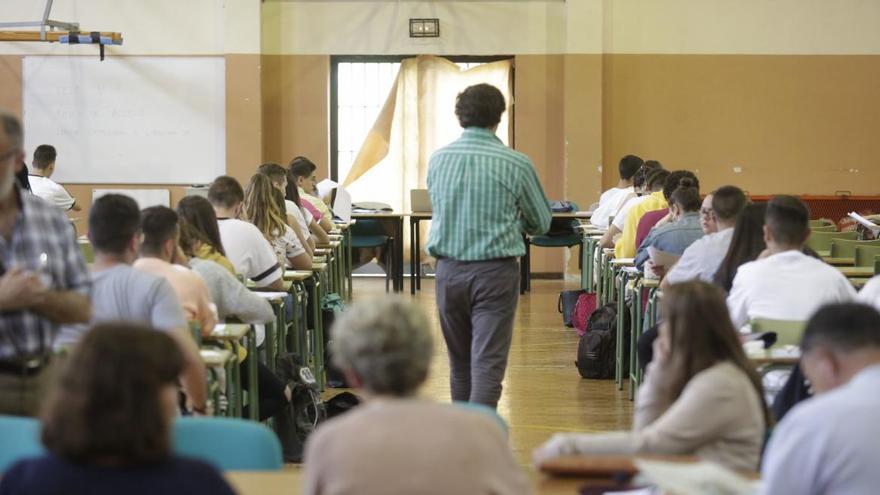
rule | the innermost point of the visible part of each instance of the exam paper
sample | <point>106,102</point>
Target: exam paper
<point>696,478</point>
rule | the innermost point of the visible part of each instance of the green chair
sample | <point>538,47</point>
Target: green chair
<point>846,248</point>
<point>877,265</point>
<point>85,248</point>
<point>821,222</point>
<point>866,255</point>
<point>821,241</point>
<point>788,332</point>
<point>824,228</point>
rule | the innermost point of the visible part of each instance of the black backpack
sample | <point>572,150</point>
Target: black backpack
<point>299,419</point>
<point>596,348</point>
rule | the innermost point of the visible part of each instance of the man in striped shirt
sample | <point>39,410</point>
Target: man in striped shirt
<point>484,195</point>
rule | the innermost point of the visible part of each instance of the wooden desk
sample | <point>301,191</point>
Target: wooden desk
<point>397,234</point>
<point>775,357</point>
<point>840,261</point>
<point>859,282</point>
<point>215,357</point>
<point>856,271</point>
<point>285,482</point>
<point>297,275</point>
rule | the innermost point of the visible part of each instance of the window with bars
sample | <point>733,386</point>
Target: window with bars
<point>359,87</point>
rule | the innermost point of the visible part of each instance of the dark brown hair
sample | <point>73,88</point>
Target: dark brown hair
<point>728,202</point>
<point>106,406</point>
<point>686,196</point>
<point>745,245</point>
<point>701,335</point>
<point>788,219</point>
<point>275,172</point>
<point>158,224</point>
<point>480,105</point>
<point>225,192</point>
<point>198,213</point>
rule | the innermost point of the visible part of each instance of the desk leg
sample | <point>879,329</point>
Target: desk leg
<point>412,255</point>
<point>635,331</point>
<point>349,263</point>
<point>619,351</point>
<point>399,248</point>
<point>253,383</point>
<point>317,333</point>
<point>419,254</point>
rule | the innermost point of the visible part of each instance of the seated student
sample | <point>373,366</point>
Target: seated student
<point>701,395</point>
<point>612,199</point>
<point>746,244</point>
<point>107,427</point>
<point>159,253</point>
<point>828,444</point>
<point>682,230</point>
<point>394,442</point>
<point>294,215</point>
<point>41,183</point>
<point>121,293</point>
<point>247,249</point>
<point>702,258</point>
<point>641,187</point>
<point>303,170</point>
<point>625,246</point>
<point>262,209</point>
<point>234,300</point>
<point>198,213</point>
<point>784,283</point>
<point>311,214</point>
<point>231,297</point>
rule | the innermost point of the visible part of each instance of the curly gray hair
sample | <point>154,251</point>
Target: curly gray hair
<point>386,343</point>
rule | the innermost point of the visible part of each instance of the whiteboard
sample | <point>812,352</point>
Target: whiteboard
<point>128,120</point>
<point>144,198</point>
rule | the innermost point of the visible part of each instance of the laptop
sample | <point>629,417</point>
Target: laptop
<point>420,200</point>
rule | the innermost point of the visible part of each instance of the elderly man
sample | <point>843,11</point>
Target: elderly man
<point>484,196</point>
<point>44,281</point>
<point>828,444</point>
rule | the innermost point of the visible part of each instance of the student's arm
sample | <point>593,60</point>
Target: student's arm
<point>327,224</point>
<point>69,302</point>
<point>194,377</point>
<point>207,319</point>
<point>319,232</point>
<point>533,203</point>
<point>64,307</point>
<point>167,314</point>
<point>607,240</point>
<point>294,225</point>
<point>300,262</point>
<point>240,302</point>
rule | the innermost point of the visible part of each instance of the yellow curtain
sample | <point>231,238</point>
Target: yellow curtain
<point>417,119</point>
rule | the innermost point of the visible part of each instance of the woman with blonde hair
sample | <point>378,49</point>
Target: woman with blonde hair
<point>701,394</point>
<point>262,210</point>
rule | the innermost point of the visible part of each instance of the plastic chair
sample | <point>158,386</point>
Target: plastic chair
<point>824,228</point>
<point>821,222</point>
<point>484,409</point>
<point>867,255</point>
<point>21,439</point>
<point>567,240</point>
<point>228,444</point>
<point>821,241</point>
<point>788,332</point>
<point>85,247</point>
<point>846,248</point>
<point>370,233</point>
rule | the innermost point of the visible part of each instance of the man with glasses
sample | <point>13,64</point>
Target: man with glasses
<point>44,281</point>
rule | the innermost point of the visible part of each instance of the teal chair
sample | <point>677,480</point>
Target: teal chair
<point>19,439</point>
<point>370,233</point>
<point>484,409</point>
<point>228,444</point>
<point>575,238</point>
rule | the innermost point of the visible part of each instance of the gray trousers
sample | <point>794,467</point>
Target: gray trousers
<point>477,302</point>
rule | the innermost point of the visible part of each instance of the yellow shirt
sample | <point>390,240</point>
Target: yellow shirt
<point>317,203</point>
<point>206,252</point>
<point>626,244</point>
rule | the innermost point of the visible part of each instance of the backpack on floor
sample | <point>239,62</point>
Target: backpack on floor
<point>567,301</point>
<point>298,420</point>
<point>597,347</point>
<point>332,307</point>
<point>583,309</point>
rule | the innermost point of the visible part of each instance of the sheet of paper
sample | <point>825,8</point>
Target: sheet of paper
<point>695,478</point>
<point>662,258</point>
<point>864,221</point>
<point>325,187</point>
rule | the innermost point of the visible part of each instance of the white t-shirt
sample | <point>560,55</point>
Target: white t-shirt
<point>287,246</point>
<point>296,212</point>
<point>250,252</point>
<point>702,258</point>
<point>620,217</point>
<point>610,201</point>
<point>870,293</point>
<point>51,191</point>
<point>785,286</point>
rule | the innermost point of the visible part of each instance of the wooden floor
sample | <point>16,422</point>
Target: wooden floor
<point>543,392</point>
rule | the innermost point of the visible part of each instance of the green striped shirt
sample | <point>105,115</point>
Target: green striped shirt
<point>483,196</point>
